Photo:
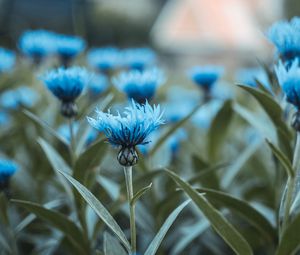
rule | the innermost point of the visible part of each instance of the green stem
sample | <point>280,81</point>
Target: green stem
<point>292,184</point>
<point>72,142</point>
<point>129,187</point>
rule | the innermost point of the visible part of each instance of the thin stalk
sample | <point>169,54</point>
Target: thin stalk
<point>292,183</point>
<point>129,187</point>
<point>72,142</point>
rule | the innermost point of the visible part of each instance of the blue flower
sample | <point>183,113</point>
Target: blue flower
<point>4,118</point>
<point>20,97</point>
<point>7,169</point>
<point>129,130</point>
<point>66,83</point>
<point>104,59</point>
<point>7,60</point>
<point>37,43</point>
<point>98,84</point>
<point>286,37</point>
<point>205,76</point>
<point>138,58</point>
<point>139,85</point>
<point>289,81</point>
<point>68,46</point>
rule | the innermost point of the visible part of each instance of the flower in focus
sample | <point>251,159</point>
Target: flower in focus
<point>7,60</point>
<point>68,47</point>
<point>205,76</point>
<point>98,84</point>
<point>129,130</point>
<point>7,169</point>
<point>20,97</point>
<point>138,58</point>
<point>67,84</point>
<point>37,44</point>
<point>289,81</point>
<point>139,85</point>
<point>286,38</point>
<point>104,59</point>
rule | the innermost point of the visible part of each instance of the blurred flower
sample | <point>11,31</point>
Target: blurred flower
<point>139,85</point>
<point>4,118</point>
<point>7,169</point>
<point>68,46</point>
<point>20,97</point>
<point>138,58</point>
<point>205,76</point>
<point>7,60</point>
<point>67,84</point>
<point>98,84</point>
<point>130,130</point>
<point>286,37</point>
<point>104,59</point>
<point>175,139</point>
<point>249,76</point>
<point>289,81</point>
<point>37,44</point>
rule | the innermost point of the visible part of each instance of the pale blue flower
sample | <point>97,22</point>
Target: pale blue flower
<point>7,169</point>
<point>139,85</point>
<point>104,59</point>
<point>7,60</point>
<point>138,58</point>
<point>131,129</point>
<point>37,43</point>
<point>66,83</point>
<point>68,46</point>
<point>98,84</point>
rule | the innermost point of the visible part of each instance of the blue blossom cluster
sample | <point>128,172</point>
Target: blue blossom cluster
<point>39,44</point>
<point>7,60</point>
<point>139,85</point>
<point>205,76</point>
<point>131,129</point>
<point>138,58</point>
<point>285,36</point>
<point>289,81</point>
<point>104,59</point>
<point>22,96</point>
<point>7,169</point>
<point>66,83</point>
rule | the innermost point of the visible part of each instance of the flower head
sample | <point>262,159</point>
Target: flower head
<point>139,85</point>
<point>68,46</point>
<point>129,130</point>
<point>37,43</point>
<point>205,76</point>
<point>286,38</point>
<point>20,97</point>
<point>7,60</point>
<point>7,169</point>
<point>138,58</point>
<point>98,84</point>
<point>289,81</point>
<point>104,59</point>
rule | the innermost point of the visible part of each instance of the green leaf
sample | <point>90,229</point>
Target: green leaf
<point>172,129</point>
<point>239,162</point>
<point>99,209</point>
<point>90,158</point>
<point>140,193</point>
<point>45,126</point>
<point>224,228</point>
<point>290,240</point>
<point>112,246</point>
<point>244,209</point>
<point>152,248</point>
<point>287,165</point>
<point>218,129</point>
<point>57,162</point>
<point>59,221</point>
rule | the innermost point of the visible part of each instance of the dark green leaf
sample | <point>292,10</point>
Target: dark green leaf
<point>112,246</point>
<point>99,209</point>
<point>152,248</point>
<point>221,225</point>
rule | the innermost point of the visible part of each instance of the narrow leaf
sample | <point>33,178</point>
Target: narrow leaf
<point>99,209</point>
<point>112,246</point>
<point>152,248</point>
<point>140,193</point>
<point>224,228</point>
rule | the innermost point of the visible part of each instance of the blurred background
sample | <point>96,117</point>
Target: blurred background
<point>192,31</point>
